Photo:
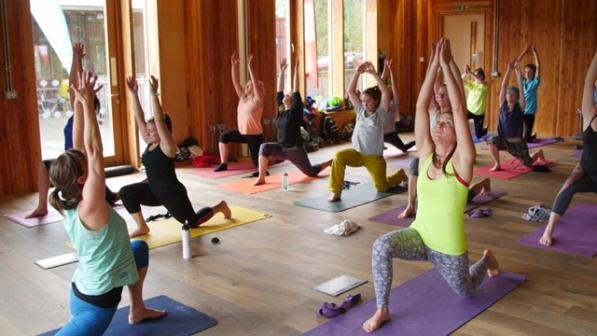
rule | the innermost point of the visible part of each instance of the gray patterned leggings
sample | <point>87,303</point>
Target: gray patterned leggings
<point>407,244</point>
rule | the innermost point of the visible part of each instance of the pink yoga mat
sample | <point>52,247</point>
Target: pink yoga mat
<point>271,182</point>
<point>234,168</point>
<point>576,234</point>
<point>510,169</point>
<point>52,217</point>
<point>391,217</point>
<point>424,305</point>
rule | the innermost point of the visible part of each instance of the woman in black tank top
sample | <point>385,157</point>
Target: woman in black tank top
<point>161,186</point>
<point>584,176</point>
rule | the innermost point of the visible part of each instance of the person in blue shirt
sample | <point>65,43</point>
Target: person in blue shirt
<point>530,85</point>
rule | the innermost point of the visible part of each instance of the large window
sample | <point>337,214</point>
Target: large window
<point>318,63</point>
<point>56,26</point>
<point>354,38</point>
<point>283,37</point>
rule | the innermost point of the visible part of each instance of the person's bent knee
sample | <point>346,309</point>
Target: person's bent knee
<point>382,246</point>
<point>130,202</point>
<point>141,253</point>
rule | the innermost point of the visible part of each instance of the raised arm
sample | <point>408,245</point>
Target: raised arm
<point>283,66</point>
<point>93,208</point>
<point>76,68</point>
<point>295,76</point>
<point>465,149</point>
<point>506,81</point>
<point>352,87</point>
<point>521,100</point>
<point>386,93</point>
<point>257,86</point>
<point>524,52</point>
<point>422,132</point>
<point>588,105</point>
<point>167,143</point>
<point>133,87</point>
<point>537,61</point>
<point>455,72</point>
<point>234,61</point>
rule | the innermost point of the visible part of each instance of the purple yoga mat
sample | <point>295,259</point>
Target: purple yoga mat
<point>391,217</point>
<point>576,234</point>
<point>424,305</point>
<point>543,142</point>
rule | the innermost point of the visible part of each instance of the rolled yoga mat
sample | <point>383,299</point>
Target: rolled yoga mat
<point>576,233</point>
<point>181,321</point>
<point>391,217</point>
<point>425,305</point>
<point>357,195</point>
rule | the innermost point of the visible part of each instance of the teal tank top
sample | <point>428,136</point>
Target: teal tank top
<point>440,211</point>
<point>106,258</point>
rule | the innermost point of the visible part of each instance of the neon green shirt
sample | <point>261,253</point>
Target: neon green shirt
<point>477,97</point>
<point>440,213</point>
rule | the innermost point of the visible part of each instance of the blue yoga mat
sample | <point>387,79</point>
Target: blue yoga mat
<point>181,320</point>
<point>424,305</point>
<point>357,195</point>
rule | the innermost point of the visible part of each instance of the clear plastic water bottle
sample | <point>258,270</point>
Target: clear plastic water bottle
<point>285,182</point>
<point>186,241</point>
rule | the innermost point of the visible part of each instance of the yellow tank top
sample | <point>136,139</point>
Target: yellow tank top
<point>440,212</point>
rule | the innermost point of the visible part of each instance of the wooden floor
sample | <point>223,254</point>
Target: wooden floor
<point>258,280</point>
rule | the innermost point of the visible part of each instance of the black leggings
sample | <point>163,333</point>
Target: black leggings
<point>176,202</point>
<point>254,141</point>
<point>584,184</point>
<point>478,120</point>
<point>529,122</point>
<point>393,139</point>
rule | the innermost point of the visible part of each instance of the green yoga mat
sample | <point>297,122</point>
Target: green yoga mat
<point>357,195</point>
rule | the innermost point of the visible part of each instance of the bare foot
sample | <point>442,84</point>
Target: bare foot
<point>259,181</point>
<point>494,267</point>
<point>375,321</point>
<point>408,212</point>
<point>546,239</point>
<point>495,168</point>
<point>225,209</point>
<point>141,315</point>
<point>38,212</point>
<point>334,198</point>
<point>139,232</point>
<point>486,190</point>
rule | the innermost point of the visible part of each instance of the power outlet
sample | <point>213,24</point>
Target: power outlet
<point>12,94</point>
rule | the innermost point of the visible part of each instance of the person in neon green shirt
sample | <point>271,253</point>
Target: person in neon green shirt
<point>447,155</point>
<point>476,98</point>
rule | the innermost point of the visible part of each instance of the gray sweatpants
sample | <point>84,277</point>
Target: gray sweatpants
<point>407,244</point>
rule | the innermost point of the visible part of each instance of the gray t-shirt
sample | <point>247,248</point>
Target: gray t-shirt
<point>367,137</point>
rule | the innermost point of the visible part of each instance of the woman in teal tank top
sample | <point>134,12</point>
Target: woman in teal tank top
<point>447,153</point>
<point>107,259</point>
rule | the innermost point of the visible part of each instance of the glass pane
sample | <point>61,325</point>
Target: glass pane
<point>283,37</point>
<point>142,45</point>
<point>56,26</point>
<point>354,38</point>
<point>317,60</point>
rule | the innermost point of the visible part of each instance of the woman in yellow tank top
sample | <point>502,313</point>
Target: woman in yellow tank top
<point>446,169</point>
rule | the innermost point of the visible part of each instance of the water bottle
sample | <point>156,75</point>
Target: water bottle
<point>186,241</point>
<point>285,182</point>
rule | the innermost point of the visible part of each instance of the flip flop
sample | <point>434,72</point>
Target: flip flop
<point>331,310</point>
<point>480,213</point>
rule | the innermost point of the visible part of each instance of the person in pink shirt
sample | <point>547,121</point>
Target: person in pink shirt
<point>249,110</point>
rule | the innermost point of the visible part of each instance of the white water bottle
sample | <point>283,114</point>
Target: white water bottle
<point>285,182</point>
<point>186,241</point>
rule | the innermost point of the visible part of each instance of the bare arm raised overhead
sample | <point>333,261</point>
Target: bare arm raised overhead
<point>131,84</point>
<point>257,85</point>
<point>537,61</point>
<point>506,81</point>
<point>283,66</point>
<point>386,93</point>
<point>422,133</point>
<point>167,143</point>
<point>352,87</point>
<point>93,207</point>
<point>76,68</point>
<point>522,100</point>
<point>234,62</point>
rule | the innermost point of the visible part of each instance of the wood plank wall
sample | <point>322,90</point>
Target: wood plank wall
<point>565,32</point>
<point>19,129</point>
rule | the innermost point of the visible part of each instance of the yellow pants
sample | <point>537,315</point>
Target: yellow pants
<point>376,166</point>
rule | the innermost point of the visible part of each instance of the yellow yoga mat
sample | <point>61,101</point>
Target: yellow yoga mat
<point>168,231</point>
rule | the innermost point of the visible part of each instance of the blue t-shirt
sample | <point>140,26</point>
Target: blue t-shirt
<point>68,134</point>
<point>511,123</point>
<point>530,94</point>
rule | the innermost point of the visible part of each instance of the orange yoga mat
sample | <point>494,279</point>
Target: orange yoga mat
<point>271,182</point>
<point>510,169</point>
